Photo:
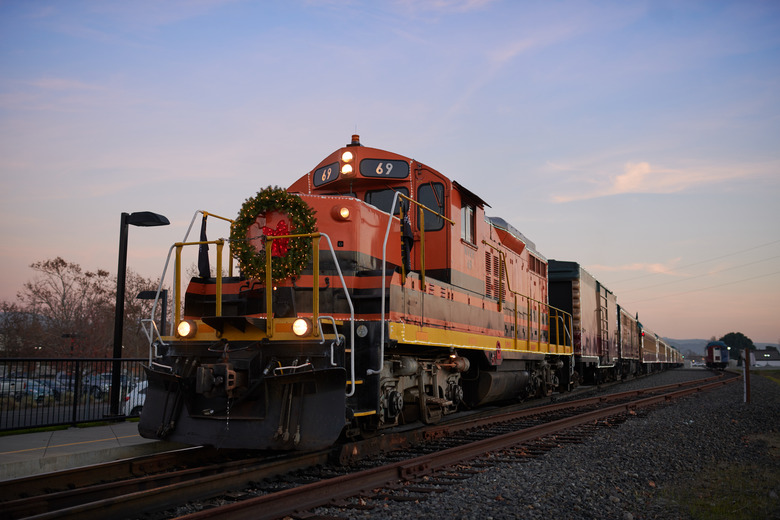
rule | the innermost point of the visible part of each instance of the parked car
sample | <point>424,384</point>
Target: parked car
<point>35,389</point>
<point>56,390</point>
<point>134,401</point>
<point>12,386</point>
<point>99,385</point>
<point>65,382</point>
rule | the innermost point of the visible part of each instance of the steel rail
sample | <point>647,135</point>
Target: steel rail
<point>437,431</point>
<point>35,485</point>
<point>320,493</point>
<point>60,500</point>
<point>391,441</point>
<point>165,491</point>
<point>171,495</point>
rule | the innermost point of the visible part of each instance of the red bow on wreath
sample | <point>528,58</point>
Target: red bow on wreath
<point>278,247</point>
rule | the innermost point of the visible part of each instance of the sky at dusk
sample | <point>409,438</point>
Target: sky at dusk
<point>641,139</point>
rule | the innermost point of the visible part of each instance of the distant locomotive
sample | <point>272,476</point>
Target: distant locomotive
<point>372,292</point>
<point>717,355</point>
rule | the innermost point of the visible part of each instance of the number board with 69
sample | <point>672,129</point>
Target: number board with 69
<point>326,174</point>
<point>384,168</point>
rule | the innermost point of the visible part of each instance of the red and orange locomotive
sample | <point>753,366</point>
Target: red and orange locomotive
<point>372,292</point>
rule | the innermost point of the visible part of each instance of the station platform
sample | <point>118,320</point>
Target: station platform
<point>34,453</point>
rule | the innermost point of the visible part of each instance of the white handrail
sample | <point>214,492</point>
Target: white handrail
<point>371,371</point>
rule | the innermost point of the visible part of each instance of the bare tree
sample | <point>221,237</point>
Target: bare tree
<point>21,332</point>
<point>67,311</point>
<point>72,302</point>
<point>135,343</point>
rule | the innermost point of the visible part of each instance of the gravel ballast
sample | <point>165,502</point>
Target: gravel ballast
<point>632,471</point>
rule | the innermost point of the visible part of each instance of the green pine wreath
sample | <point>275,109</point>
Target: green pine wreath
<point>298,250</point>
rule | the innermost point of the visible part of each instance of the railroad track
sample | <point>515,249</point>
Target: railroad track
<point>129,489</point>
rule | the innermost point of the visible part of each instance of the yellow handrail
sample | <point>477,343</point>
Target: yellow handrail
<point>502,275</point>
<point>207,214</point>
<point>315,282</point>
<point>220,243</point>
<point>268,278</point>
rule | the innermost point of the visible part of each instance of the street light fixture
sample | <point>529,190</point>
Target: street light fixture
<point>140,219</point>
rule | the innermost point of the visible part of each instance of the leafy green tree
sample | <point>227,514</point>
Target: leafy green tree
<point>738,342</point>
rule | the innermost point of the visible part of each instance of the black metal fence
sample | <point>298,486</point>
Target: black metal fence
<point>52,392</point>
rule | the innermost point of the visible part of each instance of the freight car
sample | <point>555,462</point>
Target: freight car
<point>593,308</point>
<point>657,354</point>
<point>372,292</point>
<point>629,343</point>
<point>609,342</point>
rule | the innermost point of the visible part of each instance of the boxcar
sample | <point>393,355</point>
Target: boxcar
<point>594,319</point>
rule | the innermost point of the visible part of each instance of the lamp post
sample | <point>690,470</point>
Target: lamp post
<point>141,219</point>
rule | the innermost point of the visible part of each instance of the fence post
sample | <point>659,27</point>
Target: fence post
<point>76,391</point>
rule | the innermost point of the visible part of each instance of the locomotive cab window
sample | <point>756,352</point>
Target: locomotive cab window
<point>467,223</point>
<point>382,199</point>
<point>431,195</point>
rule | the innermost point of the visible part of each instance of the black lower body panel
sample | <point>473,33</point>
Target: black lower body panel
<point>301,411</point>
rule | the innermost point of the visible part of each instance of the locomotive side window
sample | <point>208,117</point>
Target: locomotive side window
<point>382,199</point>
<point>537,266</point>
<point>432,196</point>
<point>467,223</point>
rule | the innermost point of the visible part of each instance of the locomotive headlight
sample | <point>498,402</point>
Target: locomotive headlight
<point>346,169</point>
<point>301,327</point>
<point>340,213</point>
<point>187,329</point>
<point>347,156</point>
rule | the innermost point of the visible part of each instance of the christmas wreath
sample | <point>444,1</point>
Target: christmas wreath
<point>247,234</point>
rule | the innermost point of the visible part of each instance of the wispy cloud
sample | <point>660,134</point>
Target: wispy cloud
<point>57,94</point>
<point>501,57</point>
<point>644,177</point>
<point>640,267</point>
<point>64,84</point>
<point>453,6</point>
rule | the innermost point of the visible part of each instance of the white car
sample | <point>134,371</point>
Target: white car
<point>134,401</point>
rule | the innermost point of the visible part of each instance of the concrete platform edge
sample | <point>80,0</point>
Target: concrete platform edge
<point>26,468</point>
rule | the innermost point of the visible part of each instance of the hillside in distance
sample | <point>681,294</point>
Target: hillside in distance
<point>697,347</point>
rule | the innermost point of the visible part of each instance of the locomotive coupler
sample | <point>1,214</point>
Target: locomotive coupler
<point>211,380</point>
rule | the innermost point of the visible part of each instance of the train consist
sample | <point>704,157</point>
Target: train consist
<point>374,292</point>
<point>610,343</point>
